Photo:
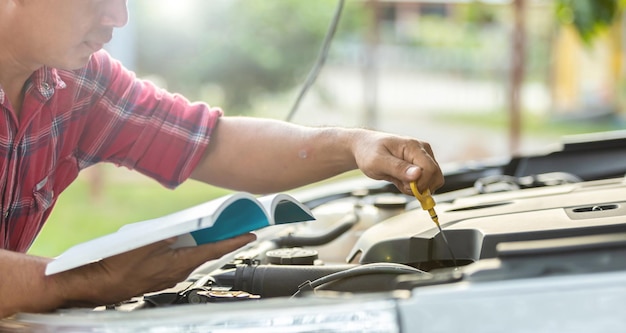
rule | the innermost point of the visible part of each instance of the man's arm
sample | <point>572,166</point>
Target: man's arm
<point>263,156</point>
<point>25,288</point>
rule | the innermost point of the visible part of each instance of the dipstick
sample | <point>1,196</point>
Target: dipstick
<point>428,203</point>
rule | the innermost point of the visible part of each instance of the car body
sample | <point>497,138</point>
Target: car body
<point>538,243</point>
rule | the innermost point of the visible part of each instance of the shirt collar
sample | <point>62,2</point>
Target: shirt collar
<point>46,80</point>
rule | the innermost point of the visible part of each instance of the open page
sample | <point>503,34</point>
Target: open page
<point>215,220</point>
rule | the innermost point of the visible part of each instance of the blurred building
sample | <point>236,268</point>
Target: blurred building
<point>587,79</point>
<point>583,80</point>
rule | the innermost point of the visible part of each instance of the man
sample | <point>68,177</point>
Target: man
<point>66,105</point>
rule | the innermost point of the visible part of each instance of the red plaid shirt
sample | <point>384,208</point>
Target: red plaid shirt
<point>71,120</point>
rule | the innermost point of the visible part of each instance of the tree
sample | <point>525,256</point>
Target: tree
<point>589,17</point>
<point>594,25</point>
<point>244,47</point>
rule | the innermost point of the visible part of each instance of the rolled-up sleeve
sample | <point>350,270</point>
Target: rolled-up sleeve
<point>135,124</point>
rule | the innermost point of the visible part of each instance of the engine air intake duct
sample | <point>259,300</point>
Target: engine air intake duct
<point>274,280</point>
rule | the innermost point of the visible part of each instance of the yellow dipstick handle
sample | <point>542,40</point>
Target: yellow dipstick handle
<point>426,200</point>
<point>428,203</point>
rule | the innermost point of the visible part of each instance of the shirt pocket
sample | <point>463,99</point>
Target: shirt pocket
<point>46,190</point>
<point>44,193</point>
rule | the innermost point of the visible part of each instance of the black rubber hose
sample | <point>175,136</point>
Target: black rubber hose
<point>374,268</point>
<point>341,227</point>
<point>274,280</point>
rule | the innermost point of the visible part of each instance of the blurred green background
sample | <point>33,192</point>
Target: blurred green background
<point>81,214</point>
<point>476,79</point>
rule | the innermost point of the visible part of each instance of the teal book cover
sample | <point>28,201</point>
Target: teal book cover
<point>212,221</point>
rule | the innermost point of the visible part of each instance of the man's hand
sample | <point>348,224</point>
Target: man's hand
<point>397,159</point>
<point>150,268</point>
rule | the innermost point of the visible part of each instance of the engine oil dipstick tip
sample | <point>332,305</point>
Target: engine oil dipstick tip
<point>428,204</point>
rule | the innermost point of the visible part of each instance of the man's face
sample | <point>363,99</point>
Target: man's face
<point>64,33</point>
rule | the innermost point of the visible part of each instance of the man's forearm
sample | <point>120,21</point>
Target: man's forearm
<point>24,286</point>
<point>260,155</point>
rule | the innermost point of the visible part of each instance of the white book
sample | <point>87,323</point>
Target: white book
<point>215,220</point>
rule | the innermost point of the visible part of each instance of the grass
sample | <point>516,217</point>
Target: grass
<point>535,125</point>
<point>124,198</point>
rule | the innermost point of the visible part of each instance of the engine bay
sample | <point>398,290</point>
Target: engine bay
<point>369,238</point>
<point>375,239</point>
<point>529,216</point>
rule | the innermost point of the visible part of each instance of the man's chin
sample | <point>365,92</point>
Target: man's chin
<point>74,63</point>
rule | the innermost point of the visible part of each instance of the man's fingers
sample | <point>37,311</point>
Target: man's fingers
<point>405,161</point>
<point>154,267</point>
<point>427,177</point>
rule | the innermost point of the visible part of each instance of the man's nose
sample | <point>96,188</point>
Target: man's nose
<point>114,13</point>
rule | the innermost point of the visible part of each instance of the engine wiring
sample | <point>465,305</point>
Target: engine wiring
<point>374,268</point>
<point>321,60</point>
